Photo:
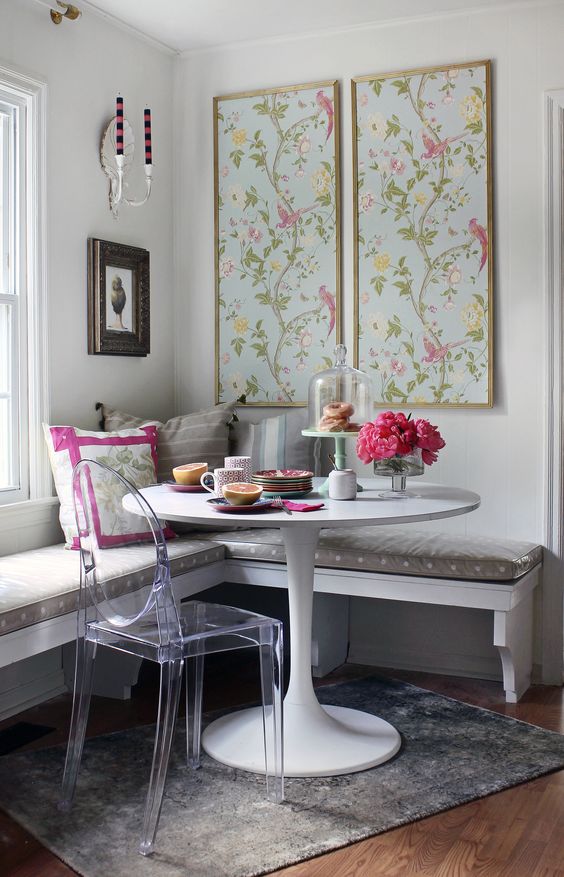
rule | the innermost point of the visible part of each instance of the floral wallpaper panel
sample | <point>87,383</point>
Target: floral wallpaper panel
<point>423,235</point>
<point>277,239</point>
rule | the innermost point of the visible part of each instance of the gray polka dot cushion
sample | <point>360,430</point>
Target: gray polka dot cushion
<point>41,584</point>
<point>397,550</point>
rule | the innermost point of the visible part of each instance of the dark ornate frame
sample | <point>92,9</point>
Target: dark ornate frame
<point>100,340</point>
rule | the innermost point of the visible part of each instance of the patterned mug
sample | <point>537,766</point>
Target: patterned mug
<point>219,478</point>
<point>243,463</point>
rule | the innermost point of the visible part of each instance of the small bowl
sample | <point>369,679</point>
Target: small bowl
<point>189,473</point>
<point>241,493</point>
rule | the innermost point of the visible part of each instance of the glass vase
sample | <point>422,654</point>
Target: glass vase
<point>399,468</point>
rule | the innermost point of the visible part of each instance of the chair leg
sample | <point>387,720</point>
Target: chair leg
<point>271,675</point>
<point>84,674</point>
<point>194,680</point>
<point>171,680</point>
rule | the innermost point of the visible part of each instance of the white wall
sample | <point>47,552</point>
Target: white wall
<point>499,452</point>
<point>85,64</point>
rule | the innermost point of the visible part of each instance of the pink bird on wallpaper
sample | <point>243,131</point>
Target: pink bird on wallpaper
<point>434,149</point>
<point>434,353</point>
<point>479,232</point>
<point>287,220</point>
<point>325,104</point>
<point>328,299</point>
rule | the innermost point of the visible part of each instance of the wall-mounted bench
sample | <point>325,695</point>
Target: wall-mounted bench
<point>38,589</point>
<point>416,566</point>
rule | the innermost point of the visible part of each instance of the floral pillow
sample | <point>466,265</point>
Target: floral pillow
<point>131,452</point>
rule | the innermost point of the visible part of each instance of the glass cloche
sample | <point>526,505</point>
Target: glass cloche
<point>340,398</point>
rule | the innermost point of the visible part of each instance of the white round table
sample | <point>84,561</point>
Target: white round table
<point>318,741</point>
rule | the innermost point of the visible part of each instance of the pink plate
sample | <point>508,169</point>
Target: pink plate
<point>185,488</point>
<point>221,505</point>
<point>283,473</point>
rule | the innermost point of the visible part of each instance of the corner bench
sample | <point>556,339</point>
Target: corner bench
<point>419,566</point>
<point>39,588</point>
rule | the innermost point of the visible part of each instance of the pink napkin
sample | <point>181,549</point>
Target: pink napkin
<point>301,506</point>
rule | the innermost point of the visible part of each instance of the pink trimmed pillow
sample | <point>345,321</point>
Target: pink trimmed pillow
<point>131,452</point>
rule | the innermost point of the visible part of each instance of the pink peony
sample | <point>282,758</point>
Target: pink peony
<point>393,434</point>
<point>390,435</point>
<point>429,440</point>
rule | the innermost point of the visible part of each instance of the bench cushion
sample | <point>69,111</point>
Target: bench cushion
<point>396,550</point>
<point>40,584</point>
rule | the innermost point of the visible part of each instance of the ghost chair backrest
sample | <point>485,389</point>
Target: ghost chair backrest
<point>123,558</point>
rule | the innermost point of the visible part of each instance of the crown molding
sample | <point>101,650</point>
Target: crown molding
<point>379,24</point>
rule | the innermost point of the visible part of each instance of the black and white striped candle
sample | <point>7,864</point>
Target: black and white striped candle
<point>148,148</point>
<point>119,125</point>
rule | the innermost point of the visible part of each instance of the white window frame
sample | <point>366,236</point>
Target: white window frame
<point>28,94</point>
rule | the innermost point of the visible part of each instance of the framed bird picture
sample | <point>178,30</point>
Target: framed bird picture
<point>118,299</point>
<point>277,241</point>
<point>422,211</point>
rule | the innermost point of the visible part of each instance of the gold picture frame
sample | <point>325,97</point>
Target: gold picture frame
<point>277,223</point>
<point>423,231</point>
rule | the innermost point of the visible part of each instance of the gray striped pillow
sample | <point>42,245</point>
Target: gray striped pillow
<point>277,442</point>
<point>189,438</point>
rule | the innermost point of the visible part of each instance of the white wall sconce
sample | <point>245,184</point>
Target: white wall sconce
<point>117,151</point>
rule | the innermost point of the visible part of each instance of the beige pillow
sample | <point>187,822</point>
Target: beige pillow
<point>189,438</point>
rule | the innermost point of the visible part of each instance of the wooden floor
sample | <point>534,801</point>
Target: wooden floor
<point>516,833</point>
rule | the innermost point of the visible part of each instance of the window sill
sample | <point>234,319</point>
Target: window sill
<point>27,513</point>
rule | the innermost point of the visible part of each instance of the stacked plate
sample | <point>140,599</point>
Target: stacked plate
<point>287,483</point>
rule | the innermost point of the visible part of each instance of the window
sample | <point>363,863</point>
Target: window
<point>12,464</point>
<point>23,390</point>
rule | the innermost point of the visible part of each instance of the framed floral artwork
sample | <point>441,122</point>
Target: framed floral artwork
<point>423,231</point>
<point>277,241</point>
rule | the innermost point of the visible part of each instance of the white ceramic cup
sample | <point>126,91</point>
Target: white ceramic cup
<point>342,484</point>
<point>219,478</point>
<point>243,463</point>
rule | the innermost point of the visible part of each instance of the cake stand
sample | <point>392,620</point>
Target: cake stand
<point>340,452</point>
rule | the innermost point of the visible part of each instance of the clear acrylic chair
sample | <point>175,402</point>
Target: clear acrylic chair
<point>155,627</point>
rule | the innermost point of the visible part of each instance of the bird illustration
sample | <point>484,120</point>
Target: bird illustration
<point>325,105</point>
<point>435,148</point>
<point>434,353</point>
<point>118,299</point>
<point>287,220</point>
<point>479,232</point>
<point>328,299</point>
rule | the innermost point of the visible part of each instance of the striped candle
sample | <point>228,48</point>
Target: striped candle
<point>119,125</point>
<point>148,151</point>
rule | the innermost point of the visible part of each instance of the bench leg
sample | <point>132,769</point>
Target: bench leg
<point>513,636</point>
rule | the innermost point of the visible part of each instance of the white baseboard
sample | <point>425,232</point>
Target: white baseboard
<point>31,693</point>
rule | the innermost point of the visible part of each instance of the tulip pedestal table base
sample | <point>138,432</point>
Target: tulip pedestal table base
<point>318,741</point>
<point>340,453</point>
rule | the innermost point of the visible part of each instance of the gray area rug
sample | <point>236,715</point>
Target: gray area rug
<point>216,821</point>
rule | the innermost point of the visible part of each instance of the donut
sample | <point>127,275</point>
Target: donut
<point>338,409</point>
<point>353,427</point>
<point>333,424</point>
